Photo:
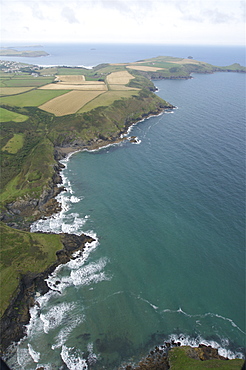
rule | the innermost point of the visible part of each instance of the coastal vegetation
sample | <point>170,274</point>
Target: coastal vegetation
<point>176,357</point>
<point>48,112</point>
<point>23,252</point>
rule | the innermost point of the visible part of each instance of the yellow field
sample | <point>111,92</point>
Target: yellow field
<point>13,90</point>
<point>145,68</point>
<point>106,99</point>
<point>122,87</point>
<point>119,78</point>
<point>185,61</point>
<point>86,86</point>
<point>71,79</point>
<point>69,103</point>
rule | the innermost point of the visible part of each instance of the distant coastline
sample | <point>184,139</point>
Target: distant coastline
<point>10,52</point>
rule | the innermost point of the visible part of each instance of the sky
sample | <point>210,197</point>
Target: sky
<point>203,22</point>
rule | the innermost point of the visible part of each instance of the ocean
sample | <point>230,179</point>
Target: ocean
<point>168,216</point>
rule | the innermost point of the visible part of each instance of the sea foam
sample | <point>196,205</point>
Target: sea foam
<point>73,358</point>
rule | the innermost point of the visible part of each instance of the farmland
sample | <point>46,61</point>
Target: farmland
<point>13,90</point>
<point>121,78</point>
<point>32,98</point>
<point>25,82</point>
<point>69,103</point>
<point>144,68</point>
<point>85,86</point>
<point>106,99</point>
<point>86,95</point>
<point>6,116</point>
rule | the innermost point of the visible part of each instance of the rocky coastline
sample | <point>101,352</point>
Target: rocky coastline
<point>21,213</point>
<point>16,317</point>
<point>172,355</point>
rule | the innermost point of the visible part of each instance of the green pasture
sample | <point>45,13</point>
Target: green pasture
<point>71,71</point>
<point>26,82</point>
<point>14,144</point>
<point>107,99</point>
<point>32,98</point>
<point>110,68</point>
<point>179,359</point>
<point>22,252</point>
<point>6,116</point>
<point>48,71</point>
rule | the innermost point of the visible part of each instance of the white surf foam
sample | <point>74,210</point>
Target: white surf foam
<point>62,222</point>
<point>73,358</point>
<point>74,199</point>
<point>92,357</point>
<point>23,357</point>
<point>64,333</point>
<point>78,274</point>
<point>201,316</point>
<point>186,340</point>
<point>223,348</point>
<point>149,303</point>
<point>55,316</point>
<point>35,355</point>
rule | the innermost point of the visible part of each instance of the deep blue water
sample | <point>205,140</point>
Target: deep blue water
<point>169,215</point>
<point>94,54</point>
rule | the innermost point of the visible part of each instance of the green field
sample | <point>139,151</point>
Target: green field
<point>32,98</point>
<point>48,71</point>
<point>25,82</point>
<point>71,71</point>
<point>14,144</point>
<point>106,99</point>
<point>6,116</point>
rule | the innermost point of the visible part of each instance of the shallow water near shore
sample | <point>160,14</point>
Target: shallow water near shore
<point>169,215</point>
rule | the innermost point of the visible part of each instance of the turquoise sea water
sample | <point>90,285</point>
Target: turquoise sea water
<point>169,217</point>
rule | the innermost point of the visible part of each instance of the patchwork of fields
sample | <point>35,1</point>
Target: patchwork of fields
<point>69,103</point>
<point>65,90</point>
<point>65,94</point>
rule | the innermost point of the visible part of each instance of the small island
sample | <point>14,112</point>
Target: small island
<point>47,113</point>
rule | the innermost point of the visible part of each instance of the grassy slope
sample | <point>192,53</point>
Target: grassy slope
<point>23,252</point>
<point>6,116</point>
<point>179,359</point>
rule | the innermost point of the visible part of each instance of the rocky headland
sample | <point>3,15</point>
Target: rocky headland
<point>17,316</point>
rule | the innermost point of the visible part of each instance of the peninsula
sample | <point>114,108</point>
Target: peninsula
<point>45,114</point>
<point>9,52</point>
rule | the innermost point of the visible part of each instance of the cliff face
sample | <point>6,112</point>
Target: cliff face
<point>24,210</point>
